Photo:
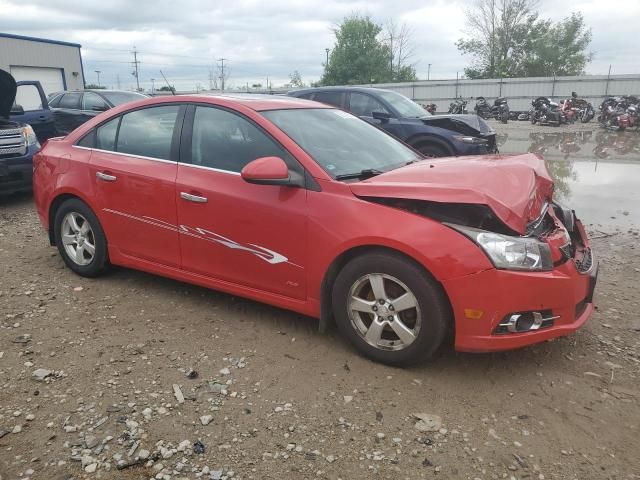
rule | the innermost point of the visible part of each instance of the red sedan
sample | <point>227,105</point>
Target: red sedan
<point>308,208</point>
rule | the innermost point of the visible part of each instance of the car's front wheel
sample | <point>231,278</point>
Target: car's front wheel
<point>390,308</point>
<point>80,238</point>
<point>431,150</point>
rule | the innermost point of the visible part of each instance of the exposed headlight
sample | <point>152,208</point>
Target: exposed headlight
<point>29,135</point>
<point>510,253</point>
<point>472,140</point>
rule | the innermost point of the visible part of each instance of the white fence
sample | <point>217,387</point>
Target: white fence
<point>519,91</point>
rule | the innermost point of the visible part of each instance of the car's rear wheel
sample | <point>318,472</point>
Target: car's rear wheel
<point>390,308</point>
<point>431,150</point>
<point>80,238</point>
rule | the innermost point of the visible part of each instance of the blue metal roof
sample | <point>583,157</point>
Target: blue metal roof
<point>41,40</point>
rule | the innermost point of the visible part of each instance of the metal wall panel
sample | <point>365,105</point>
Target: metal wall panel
<point>519,91</point>
<point>32,53</point>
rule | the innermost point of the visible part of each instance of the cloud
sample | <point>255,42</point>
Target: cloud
<point>270,39</point>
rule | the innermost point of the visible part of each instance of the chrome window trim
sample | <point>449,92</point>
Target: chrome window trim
<point>230,172</point>
<point>157,160</point>
<point>122,154</point>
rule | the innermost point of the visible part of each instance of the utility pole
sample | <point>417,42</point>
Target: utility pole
<point>429,72</point>
<point>153,85</point>
<point>118,80</point>
<point>221,60</point>
<point>327,50</point>
<point>136,62</point>
<point>98,72</point>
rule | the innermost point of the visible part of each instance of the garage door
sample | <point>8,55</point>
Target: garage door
<point>50,78</point>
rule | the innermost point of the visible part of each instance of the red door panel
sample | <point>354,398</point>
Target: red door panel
<point>253,235</point>
<point>136,202</point>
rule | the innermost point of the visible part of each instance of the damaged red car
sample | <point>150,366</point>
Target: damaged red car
<point>308,208</point>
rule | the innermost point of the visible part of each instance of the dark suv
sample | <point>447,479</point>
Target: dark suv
<point>432,135</point>
<point>71,109</point>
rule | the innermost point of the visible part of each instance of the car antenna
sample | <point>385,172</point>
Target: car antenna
<point>173,92</point>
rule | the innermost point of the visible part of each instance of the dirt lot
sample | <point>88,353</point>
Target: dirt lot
<point>267,397</point>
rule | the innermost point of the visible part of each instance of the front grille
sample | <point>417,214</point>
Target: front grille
<point>585,263</point>
<point>12,142</point>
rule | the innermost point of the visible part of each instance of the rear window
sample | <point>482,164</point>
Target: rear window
<point>70,100</point>
<point>119,98</point>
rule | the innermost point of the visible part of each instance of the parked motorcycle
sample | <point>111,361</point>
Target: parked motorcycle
<point>586,111</point>
<point>430,107</point>
<point>546,112</point>
<point>499,110</point>
<point>482,108</point>
<point>613,114</point>
<point>458,106</point>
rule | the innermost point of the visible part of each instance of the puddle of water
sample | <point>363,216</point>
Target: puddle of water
<point>597,172</point>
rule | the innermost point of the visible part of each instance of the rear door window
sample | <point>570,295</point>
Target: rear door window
<point>330,98</point>
<point>70,101</point>
<point>93,102</point>
<point>148,132</point>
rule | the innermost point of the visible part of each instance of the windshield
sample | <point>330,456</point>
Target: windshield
<point>405,107</point>
<point>341,143</point>
<point>118,98</point>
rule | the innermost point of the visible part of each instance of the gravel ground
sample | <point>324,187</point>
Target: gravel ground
<point>135,376</point>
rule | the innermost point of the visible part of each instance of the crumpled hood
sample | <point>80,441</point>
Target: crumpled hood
<point>7,93</point>
<point>514,187</point>
<point>450,121</point>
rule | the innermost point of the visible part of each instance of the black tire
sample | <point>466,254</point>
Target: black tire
<point>431,150</point>
<point>100,260</point>
<point>430,298</point>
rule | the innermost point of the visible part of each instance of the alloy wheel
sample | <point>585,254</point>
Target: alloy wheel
<point>384,311</point>
<point>78,238</point>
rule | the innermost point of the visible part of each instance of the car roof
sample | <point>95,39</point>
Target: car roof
<point>348,88</point>
<point>96,90</point>
<point>255,101</point>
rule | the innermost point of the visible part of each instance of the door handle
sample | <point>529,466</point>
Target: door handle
<point>106,177</point>
<point>193,198</point>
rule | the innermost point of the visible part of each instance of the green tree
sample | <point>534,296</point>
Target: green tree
<point>510,40</point>
<point>166,88</point>
<point>296,79</point>
<point>93,86</point>
<point>358,56</point>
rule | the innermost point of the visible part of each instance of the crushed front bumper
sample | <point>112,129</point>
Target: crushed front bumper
<point>483,303</point>
<point>563,292</point>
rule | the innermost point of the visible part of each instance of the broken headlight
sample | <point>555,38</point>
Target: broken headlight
<point>29,135</point>
<point>510,253</point>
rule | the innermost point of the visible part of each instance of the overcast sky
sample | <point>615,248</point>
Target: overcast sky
<point>273,38</point>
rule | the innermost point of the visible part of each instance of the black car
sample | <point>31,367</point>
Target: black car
<point>73,108</point>
<point>432,135</point>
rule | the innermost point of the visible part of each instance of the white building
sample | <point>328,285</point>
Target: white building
<point>56,65</point>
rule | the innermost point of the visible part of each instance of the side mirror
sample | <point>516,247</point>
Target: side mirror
<point>99,108</point>
<point>382,116</point>
<point>266,171</point>
<point>16,110</point>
